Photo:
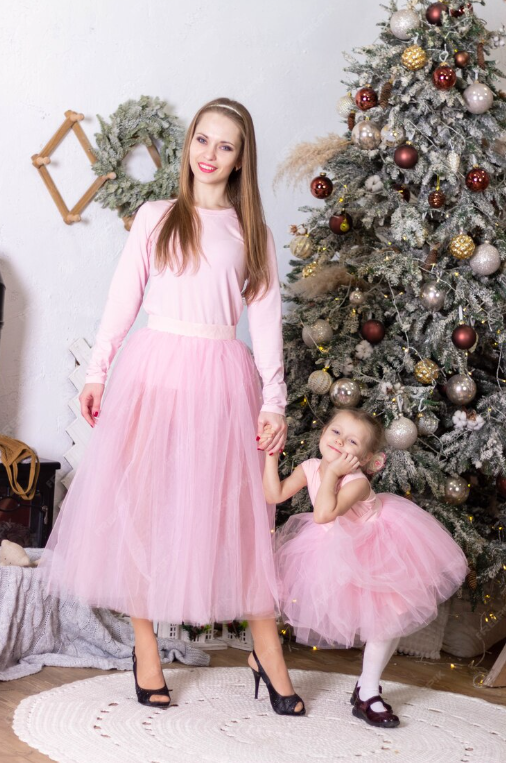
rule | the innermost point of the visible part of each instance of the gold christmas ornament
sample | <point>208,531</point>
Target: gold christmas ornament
<point>456,490</point>
<point>319,382</point>
<point>426,371</point>
<point>462,246</point>
<point>301,247</point>
<point>414,58</point>
<point>345,393</point>
<point>320,332</point>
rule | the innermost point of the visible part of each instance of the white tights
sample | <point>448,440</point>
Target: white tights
<point>377,655</point>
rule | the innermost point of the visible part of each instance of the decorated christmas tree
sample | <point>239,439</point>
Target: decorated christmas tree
<point>397,289</point>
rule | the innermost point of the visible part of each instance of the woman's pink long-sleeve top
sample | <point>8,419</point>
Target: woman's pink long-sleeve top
<point>212,294</point>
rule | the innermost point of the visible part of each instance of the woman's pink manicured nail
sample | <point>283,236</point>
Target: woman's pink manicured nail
<point>258,439</point>
<point>95,413</point>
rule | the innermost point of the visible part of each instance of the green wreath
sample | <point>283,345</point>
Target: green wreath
<point>135,123</point>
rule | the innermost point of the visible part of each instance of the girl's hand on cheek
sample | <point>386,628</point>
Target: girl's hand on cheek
<point>344,464</point>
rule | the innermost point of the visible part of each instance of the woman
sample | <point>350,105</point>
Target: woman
<point>166,518</point>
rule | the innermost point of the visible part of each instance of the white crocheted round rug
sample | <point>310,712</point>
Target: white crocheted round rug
<point>217,720</point>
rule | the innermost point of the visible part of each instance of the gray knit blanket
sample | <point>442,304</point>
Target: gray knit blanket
<point>37,630</point>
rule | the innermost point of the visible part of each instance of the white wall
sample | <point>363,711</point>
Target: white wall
<point>282,59</point>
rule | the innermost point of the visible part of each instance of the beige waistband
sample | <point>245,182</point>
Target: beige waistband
<point>185,328</point>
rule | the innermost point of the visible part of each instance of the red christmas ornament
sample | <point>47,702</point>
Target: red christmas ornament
<point>461,58</point>
<point>341,224</point>
<point>434,14</point>
<point>437,199</point>
<point>406,156</point>
<point>477,179</point>
<point>373,331</point>
<point>444,77</point>
<point>456,12</point>
<point>403,191</point>
<point>501,485</point>
<point>464,337</point>
<point>366,98</point>
<point>321,186</point>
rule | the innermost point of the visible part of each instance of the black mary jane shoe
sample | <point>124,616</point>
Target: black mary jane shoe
<point>281,704</point>
<point>144,695</point>
<point>384,719</point>
<point>355,696</point>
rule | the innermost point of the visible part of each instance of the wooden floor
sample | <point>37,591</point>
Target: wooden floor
<point>463,678</point>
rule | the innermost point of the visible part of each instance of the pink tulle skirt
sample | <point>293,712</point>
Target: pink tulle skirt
<point>346,582</point>
<point>166,518</point>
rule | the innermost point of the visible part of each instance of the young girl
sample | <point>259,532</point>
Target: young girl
<point>361,567</point>
<point>165,518</point>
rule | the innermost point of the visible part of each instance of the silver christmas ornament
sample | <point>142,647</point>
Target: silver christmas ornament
<point>485,260</point>
<point>345,105</point>
<point>460,389</point>
<point>402,23</point>
<point>392,136</point>
<point>319,333</point>
<point>401,434</point>
<point>345,393</point>
<point>319,382</point>
<point>478,98</point>
<point>357,297</point>
<point>453,161</point>
<point>456,490</point>
<point>426,423</point>
<point>366,135</point>
<point>432,296</point>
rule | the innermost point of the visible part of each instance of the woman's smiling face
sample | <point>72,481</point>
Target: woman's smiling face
<point>215,148</point>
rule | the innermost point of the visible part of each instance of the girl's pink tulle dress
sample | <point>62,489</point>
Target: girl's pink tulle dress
<point>375,573</point>
<point>166,518</point>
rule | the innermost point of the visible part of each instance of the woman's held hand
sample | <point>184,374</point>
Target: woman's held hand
<point>90,400</point>
<point>271,432</point>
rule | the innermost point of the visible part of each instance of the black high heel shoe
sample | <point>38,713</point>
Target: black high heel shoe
<point>282,705</point>
<point>144,695</point>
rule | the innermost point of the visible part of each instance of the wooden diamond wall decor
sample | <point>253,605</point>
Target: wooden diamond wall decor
<point>42,159</point>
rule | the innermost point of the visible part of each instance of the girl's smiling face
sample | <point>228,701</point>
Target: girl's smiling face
<point>215,149</point>
<point>345,434</point>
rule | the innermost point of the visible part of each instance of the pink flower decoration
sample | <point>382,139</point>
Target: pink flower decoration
<point>376,463</point>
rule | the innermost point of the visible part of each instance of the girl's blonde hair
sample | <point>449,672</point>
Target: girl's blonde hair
<point>181,226</point>
<point>375,427</point>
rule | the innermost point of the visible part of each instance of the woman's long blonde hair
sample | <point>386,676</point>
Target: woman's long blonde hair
<point>181,226</point>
